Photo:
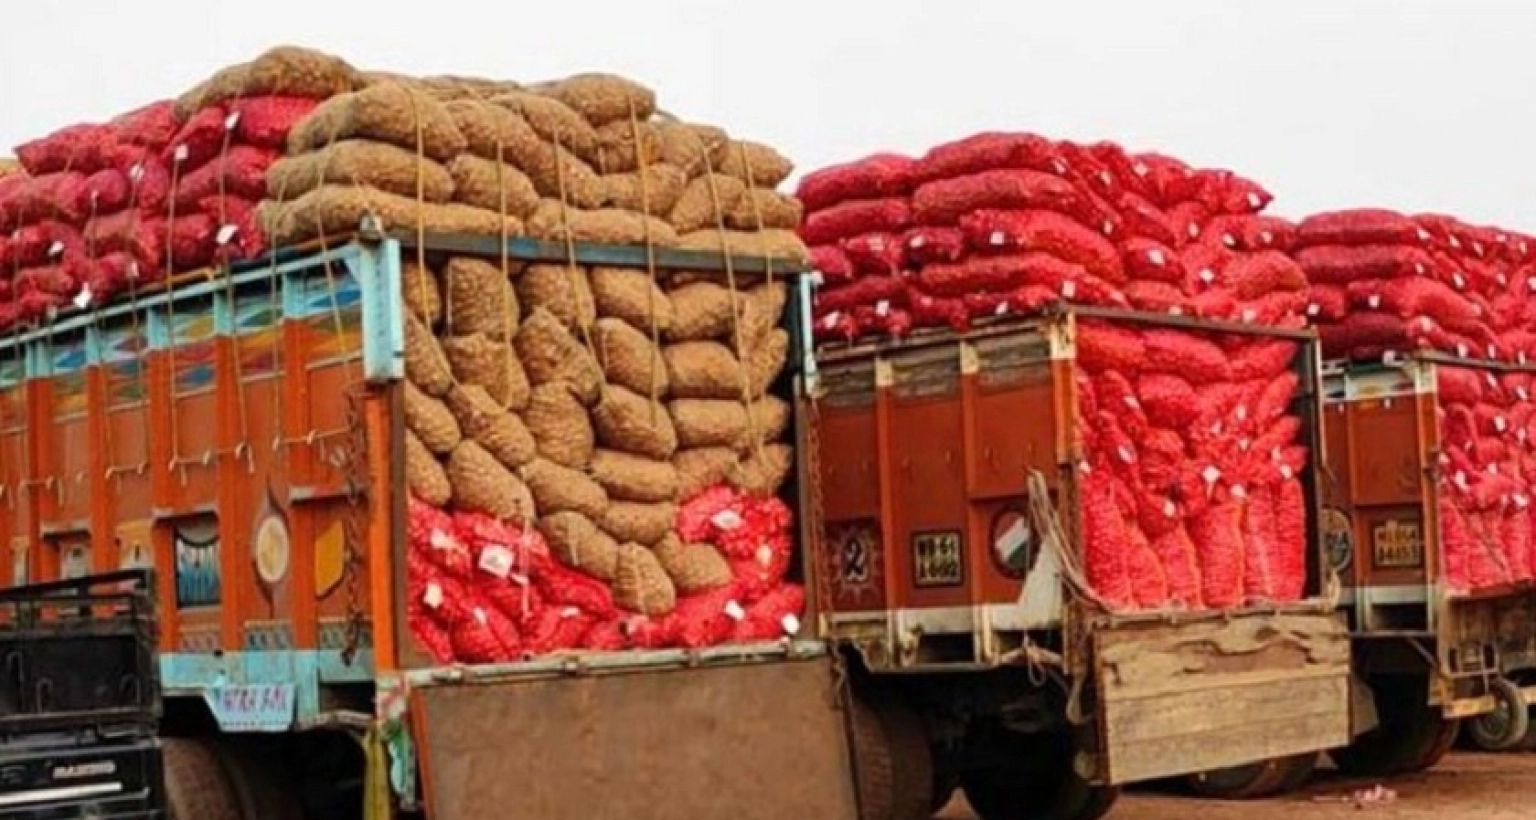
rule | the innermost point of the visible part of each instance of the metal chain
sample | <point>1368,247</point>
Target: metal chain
<point>356,466</point>
<point>818,551</point>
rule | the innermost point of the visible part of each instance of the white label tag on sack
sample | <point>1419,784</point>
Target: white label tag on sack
<point>830,320</point>
<point>231,121</point>
<point>726,520</point>
<point>1255,200</point>
<point>1156,257</point>
<point>1001,309</point>
<point>1461,479</point>
<point>1059,166</point>
<point>1458,281</point>
<point>1243,444</point>
<point>1502,279</point>
<point>570,612</point>
<point>226,234</point>
<point>1239,491</point>
<point>764,555</point>
<point>497,560</point>
<point>1477,248</point>
<point>1500,424</point>
<point>1266,238</point>
<point>882,308</point>
<point>1194,230</point>
<point>1462,351</point>
<point>1524,394</point>
<point>1106,179</point>
<point>1141,169</point>
<point>1125,454</point>
<point>136,173</point>
<point>1229,240</point>
<point>791,624</point>
<point>433,597</point>
<point>1250,315</point>
<point>1424,235</point>
<point>1418,268</point>
<point>734,611</point>
<point>817,280</point>
<point>1170,509</point>
<point>1108,228</point>
<point>917,241</point>
<point>1210,475</point>
<point>181,153</point>
<point>1313,309</point>
<point>133,271</point>
<point>440,540</point>
<point>1208,276</point>
<point>56,249</point>
<point>480,616</point>
<point>1455,243</point>
<point>83,298</point>
<point>997,239</point>
<point>1068,289</point>
<point>1176,310</point>
<point>1522,500</point>
<point>1286,472</point>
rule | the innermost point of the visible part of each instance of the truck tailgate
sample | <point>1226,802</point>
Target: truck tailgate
<point>747,741</point>
<point>1177,699</point>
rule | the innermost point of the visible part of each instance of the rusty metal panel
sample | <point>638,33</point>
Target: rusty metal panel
<point>752,741</point>
<point>1178,699</point>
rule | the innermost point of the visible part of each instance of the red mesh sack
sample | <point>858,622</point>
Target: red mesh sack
<point>1113,157</point>
<point>866,290</point>
<point>1459,385</point>
<point>1227,193</point>
<point>776,615</point>
<point>1204,263</point>
<point>1275,398</point>
<point>1213,304</point>
<point>1095,213</point>
<point>107,191</point>
<point>152,126</point>
<point>832,263</point>
<point>53,280</point>
<point>1261,549</point>
<point>109,276</point>
<point>1340,265</point>
<point>266,121</point>
<point>561,586</point>
<point>1151,260</point>
<point>1282,310</point>
<point>1279,435</point>
<point>1515,537</point>
<point>201,138</point>
<point>1188,220</point>
<point>926,245</point>
<point>1103,347</point>
<point>1168,180</point>
<point>1114,446</point>
<point>558,628</point>
<point>988,150</point>
<point>432,637</point>
<point>1250,233</point>
<point>1359,226</point>
<point>937,311</point>
<point>193,242</point>
<point>764,568</point>
<point>149,182</point>
<point>1181,566</point>
<point>606,636</point>
<point>995,274</point>
<point>1085,169</point>
<point>1363,330</point>
<point>1170,401</point>
<point>1422,296</point>
<point>1155,297</point>
<point>1199,360</point>
<point>855,217</point>
<point>706,619</point>
<point>1254,275</point>
<point>1105,541</point>
<point>1217,534</point>
<point>241,172</point>
<point>875,253</point>
<point>61,196</point>
<point>81,148</point>
<point>131,233</point>
<point>1116,395</point>
<point>1261,359</point>
<point>239,236</point>
<point>944,201</point>
<point>1149,581</point>
<point>1145,220</point>
<point>874,177</point>
<point>42,243</point>
<point>1326,303</point>
<point>1045,231</point>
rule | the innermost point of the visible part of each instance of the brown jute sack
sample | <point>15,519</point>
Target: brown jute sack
<point>692,567</point>
<point>617,142</point>
<point>640,584</point>
<point>772,243</point>
<point>654,192</point>
<point>560,426</point>
<point>501,432</point>
<point>430,421</point>
<point>693,148</point>
<point>563,290</point>
<point>580,544</point>
<point>284,71</point>
<point>702,468</point>
<point>561,489</point>
<point>764,472</point>
<point>425,362</point>
<point>388,113</point>
<point>760,208</point>
<point>458,218</point>
<point>422,292</point>
<point>704,370</point>
<point>360,162</point>
<point>554,122</point>
<point>480,298</point>
<point>766,360</point>
<point>424,475</point>
<point>770,421</point>
<point>490,129</point>
<point>550,353</point>
<point>761,312</point>
<point>709,423</point>
<point>758,165</point>
<point>705,203</point>
<point>603,98</point>
<point>484,184</point>
<point>644,524</point>
<point>491,365</point>
<point>603,226</point>
<point>629,477</point>
<point>556,173</point>
<point>631,423</point>
<point>628,358</point>
<point>632,295</point>
<point>333,210</point>
<point>701,311</point>
<point>483,484</point>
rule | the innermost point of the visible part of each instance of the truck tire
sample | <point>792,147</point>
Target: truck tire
<point>912,776</point>
<point>195,786</point>
<point>1410,737</point>
<point>1507,725</point>
<point>873,778</point>
<point>259,790</point>
<point>1298,770</point>
<point>1040,785</point>
<point>1248,782</point>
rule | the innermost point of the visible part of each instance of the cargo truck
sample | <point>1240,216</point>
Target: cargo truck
<point>239,435</point>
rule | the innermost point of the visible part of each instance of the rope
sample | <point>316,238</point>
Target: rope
<point>735,298</point>
<point>650,260</point>
<point>570,255</point>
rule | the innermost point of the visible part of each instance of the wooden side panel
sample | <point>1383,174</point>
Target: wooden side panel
<point>1200,696</point>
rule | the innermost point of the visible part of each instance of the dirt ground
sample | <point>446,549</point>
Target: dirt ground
<point>1465,787</point>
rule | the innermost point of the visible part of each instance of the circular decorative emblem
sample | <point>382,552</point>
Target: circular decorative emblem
<point>1013,542</point>
<point>272,548</point>
<point>1338,538</point>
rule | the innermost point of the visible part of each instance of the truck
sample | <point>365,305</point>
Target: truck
<point>240,434</point>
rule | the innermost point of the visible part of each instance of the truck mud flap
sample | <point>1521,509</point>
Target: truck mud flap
<point>1175,699</point>
<point>745,741</point>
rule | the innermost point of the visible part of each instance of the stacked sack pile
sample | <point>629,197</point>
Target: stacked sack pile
<point>1192,495</point>
<point>1386,284</point>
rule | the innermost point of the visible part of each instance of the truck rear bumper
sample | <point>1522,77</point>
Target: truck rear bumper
<point>53,781</point>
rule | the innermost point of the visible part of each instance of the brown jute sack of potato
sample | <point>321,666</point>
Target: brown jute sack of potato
<point>484,184</point>
<point>705,203</point>
<point>709,423</point>
<point>580,544</point>
<point>632,295</point>
<point>490,364</point>
<point>766,360</point>
<point>424,475</point>
<point>759,209</point>
<point>640,584</point>
<point>603,226</point>
<point>704,370</point>
<point>603,98</point>
<point>551,354</point>
<point>425,362</point>
<point>701,311</point>
<point>422,292</point>
<point>430,420</point>
<point>501,432</point>
<point>489,129</point>
<point>561,489</point>
<point>702,468</point>
<point>770,417</point>
<point>631,423</point>
<point>758,165</point>
<point>563,290</point>
<point>628,358</point>
<point>644,524</point>
<point>771,243</point>
<point>284,71</point>
<point>692,567</point>
<point>554,122</point>
<point>360,162</point>
<point>655,191</point>
<point>617,144</point>
<point>560,426</point>
<point>483,484</point>
<point>762,312</point>
<point>333,210</point>
<point>458,218</point>
<point>479,298</point>
<point>765,471</point>
<point>556,173</point>
<point>387,113</point>
<point>693,148</point>
<point>629,477</point>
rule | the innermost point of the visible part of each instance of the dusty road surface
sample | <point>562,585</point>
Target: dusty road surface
<point>1464,787</point>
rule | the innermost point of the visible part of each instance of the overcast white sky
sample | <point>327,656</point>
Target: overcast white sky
<point>1414,104</point>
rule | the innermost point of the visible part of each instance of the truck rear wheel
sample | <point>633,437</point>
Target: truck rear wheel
<point>195,786</point>
<point>1254,780</point>
<point>1298,770</point>
<point>1032,778</point>
<point>1411,735</point>
<point>893,761</point>
<point>1507,725</point>
<point>259,789</point>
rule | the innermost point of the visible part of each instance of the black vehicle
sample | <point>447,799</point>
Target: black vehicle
<point>80,700</point>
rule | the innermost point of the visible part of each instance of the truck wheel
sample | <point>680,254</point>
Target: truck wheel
<point>1239,782</point>
<point>1039,783</point>
<point>1298,770</point>
<point>912,777</point>
<point>872,776</point>
<point>1411,735</point>
<point>195,787</point>
<point>1506,726</point>
<point>258,787</point>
